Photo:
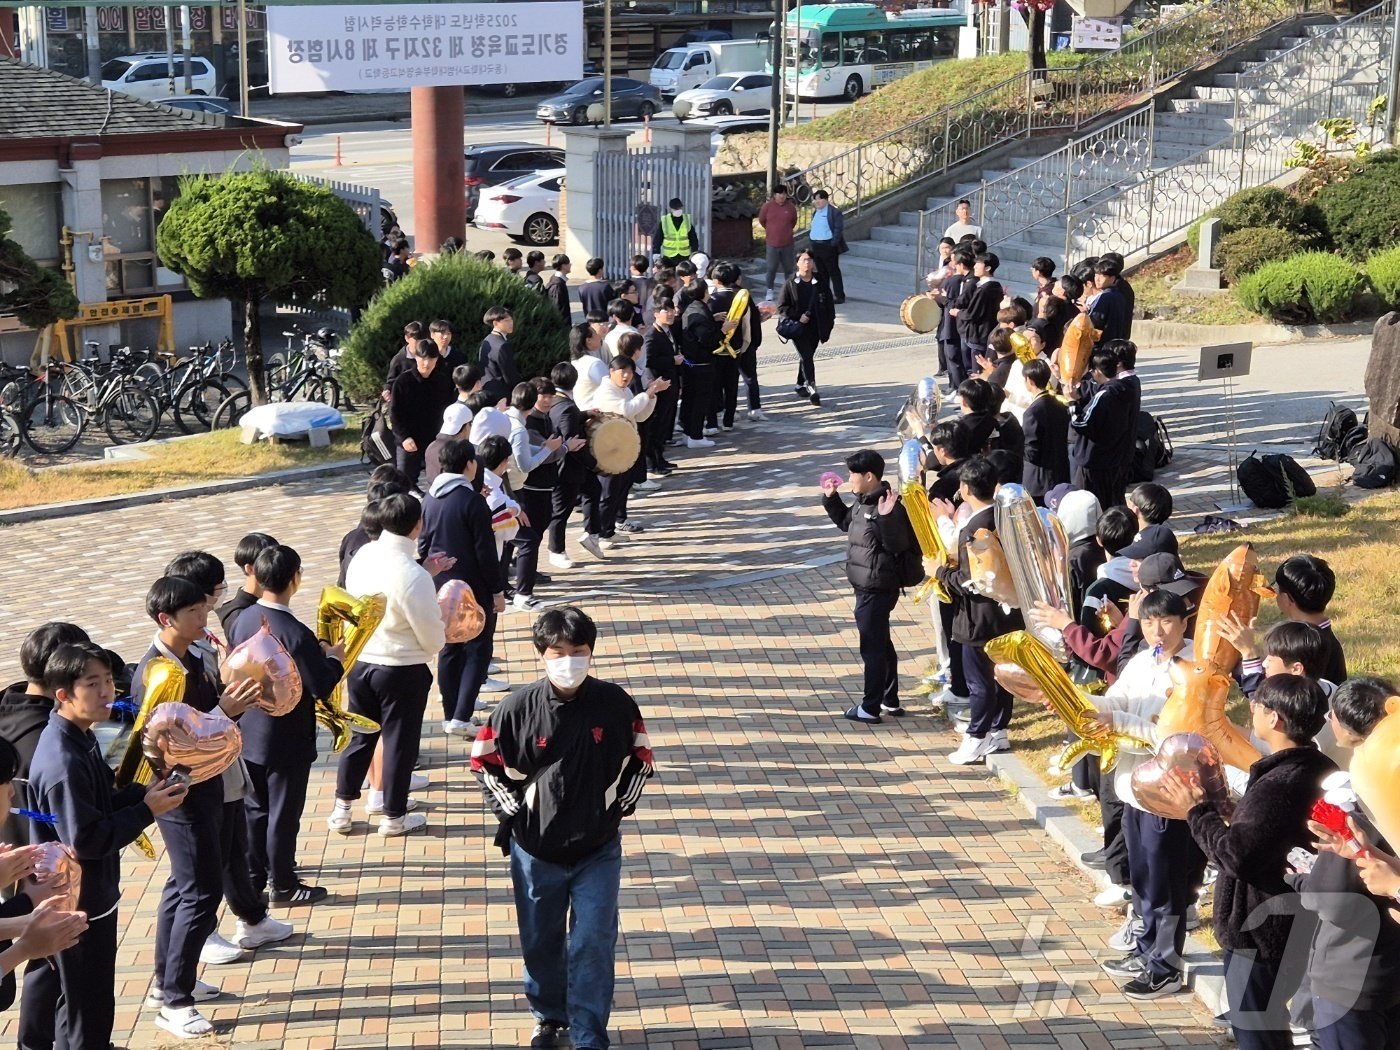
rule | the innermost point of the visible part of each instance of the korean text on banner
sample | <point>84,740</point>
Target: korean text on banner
<point>399,46</point>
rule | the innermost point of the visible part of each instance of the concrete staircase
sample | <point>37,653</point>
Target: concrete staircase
<point>1193,144</point>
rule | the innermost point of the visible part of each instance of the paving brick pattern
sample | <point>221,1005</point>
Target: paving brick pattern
<point>791,880</point>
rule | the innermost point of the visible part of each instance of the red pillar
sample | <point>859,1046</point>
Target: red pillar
<point>439,198</point>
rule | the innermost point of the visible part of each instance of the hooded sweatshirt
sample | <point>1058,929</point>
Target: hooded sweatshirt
<point>1132,705</point>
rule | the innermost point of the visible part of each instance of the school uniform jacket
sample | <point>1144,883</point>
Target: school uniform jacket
<point>561,774</point>
<point>749,335</point>
<point>457,521</point>
<point>416,404</point>
<point>544,474</point>
<point>951,291</point>
<point>498,364</point>
<point>557,292</point>
<point>978,304</point>
<point>1046,429</point>
<point>660,349</point>
<point>977,619</point>
<point>69,779</point>
<point>594,296</point>
<point>570,422</point>
<point>403,361</point>
<point>700,333</point>
<point>1104,421</point>
<point>289,740</point>
<point>1111,315</point>
<point>229,612</point>
<point>202,693</point>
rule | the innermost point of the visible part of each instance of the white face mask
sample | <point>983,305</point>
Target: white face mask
<point>678,212</point>
<point>567,672</point>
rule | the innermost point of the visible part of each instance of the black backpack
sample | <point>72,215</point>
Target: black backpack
<point>910,564</point>
<point>376,440</point>
<point>1274,481</point>
<point>1152,448</point>
<point>1339,434</point>
<point>1376,464</point>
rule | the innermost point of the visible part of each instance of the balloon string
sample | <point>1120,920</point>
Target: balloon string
<point>37,817</point>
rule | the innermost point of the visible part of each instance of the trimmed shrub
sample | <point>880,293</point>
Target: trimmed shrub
<point>1244,251</point>
<point>1362,214</point>
<point>1383,269</point>
<point>1313,286</point>
<point>1262,206</point>
<point>459,289</point>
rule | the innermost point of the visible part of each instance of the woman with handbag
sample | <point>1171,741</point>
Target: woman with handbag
<point>806,315</point>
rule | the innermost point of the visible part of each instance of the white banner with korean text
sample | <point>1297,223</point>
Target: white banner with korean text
<point>400,46</point>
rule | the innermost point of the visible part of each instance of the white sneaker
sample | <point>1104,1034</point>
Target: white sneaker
<point>756,414</point>
<point>593,546</point>
<point>495,685</point>
<point>1114,897</point>
<point>699,443</point>
<point>612,543</point>
<point>1126,937</point>
<point>525,602</point>
<point>184,1022</point>
<point>391,827</point>
<point>646,486</point>
<point>203,992</point>
<point>493,668</point>
<point>269,931</point>
<point>418,782</point>
<point>725,427</point>
<point>219,952</point>
<point>1068,791</point>
<point>971,750</point>
<point>375,806</point>
<point>1000,741</point>
<point>561,561</point>
<point>710,432</point>
<point>340,821</point>
<point>456,727</point>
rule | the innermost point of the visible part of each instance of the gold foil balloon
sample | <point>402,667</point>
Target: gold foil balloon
<point>1035,556</point>
<point>1196,704</point>
<point>57,869</point>
<point>921,518</point>
<point>162,682</point>
<point>178,735</point>
<point>1375,772</point>
<point>341,617</point>
<point>1076,348</point>
<point>990,575</point>
<point>1079,712</point>
<point>1191,757</point>
<point>266,661</point>
<point>462,615</point>
<point>1234,588</point>
<point>1021,347</point>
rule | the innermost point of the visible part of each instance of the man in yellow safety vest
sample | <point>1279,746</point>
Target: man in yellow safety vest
<point>675,238</point>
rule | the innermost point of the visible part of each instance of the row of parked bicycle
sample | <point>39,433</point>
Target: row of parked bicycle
<point>131,392</point>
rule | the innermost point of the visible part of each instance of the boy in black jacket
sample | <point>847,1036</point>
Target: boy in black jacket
<point>280,751</point>
<point>979,300</point>
<point>497,361</point>
<point>562,762</point>
<point>244,556</point>
<point>1261,971</point>
<point>69,779</point>
<point>977,619</point>
<point>1103,421</point>
<point>878,536</point>
<point>578,476</point>
<point>416,403</point>
<point>1305,585</point>
<point>1045,425</point>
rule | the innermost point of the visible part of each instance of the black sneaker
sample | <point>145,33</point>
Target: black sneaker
<point>1129,966</point>
<point>1093,860</point>
<point>301,893</point>
<point>1148,985</point>
<point>815,398</point>
<point>801,391</point>
<point>550,1033</point>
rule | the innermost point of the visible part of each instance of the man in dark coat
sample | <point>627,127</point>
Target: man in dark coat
<point>1046,428</point>
<point>979,300</point>
<point>878,536</point>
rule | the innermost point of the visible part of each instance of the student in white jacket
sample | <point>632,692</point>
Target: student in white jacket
<point>614,397</point>
<point>1164,863</point>
<point>390,681</point>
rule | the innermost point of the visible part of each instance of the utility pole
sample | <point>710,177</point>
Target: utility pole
<point>185,47</point>
<point>797,63</point>
<point>607,63</point>
<point>242,58</point>
<point>775,106</point>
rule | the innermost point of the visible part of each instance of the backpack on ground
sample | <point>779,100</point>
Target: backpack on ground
<point>376,440</point>
<point>1274,481</point>
<point>1376,463</point>
<point>1339,434</point>
<point>1152,448</point>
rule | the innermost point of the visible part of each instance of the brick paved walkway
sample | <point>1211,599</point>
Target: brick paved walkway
<point>791,880</point>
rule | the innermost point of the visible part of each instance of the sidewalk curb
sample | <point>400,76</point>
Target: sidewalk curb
<point>1179,333</point>
<point>1204,969</point>
<point>79,508</point>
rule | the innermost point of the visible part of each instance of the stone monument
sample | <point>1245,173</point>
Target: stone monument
<point>1383,379</point>
<point>1201,277</point>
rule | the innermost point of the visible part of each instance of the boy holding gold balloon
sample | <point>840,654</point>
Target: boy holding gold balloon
<point>69,779</point>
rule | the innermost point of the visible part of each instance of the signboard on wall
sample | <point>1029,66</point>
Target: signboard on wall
<point>1097,34</point>
<point>379,48</point>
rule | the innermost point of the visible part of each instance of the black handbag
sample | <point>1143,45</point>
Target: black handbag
<point>790,328</point>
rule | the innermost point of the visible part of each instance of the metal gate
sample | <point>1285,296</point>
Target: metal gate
<point>631,191</point>
<point>364,200</point>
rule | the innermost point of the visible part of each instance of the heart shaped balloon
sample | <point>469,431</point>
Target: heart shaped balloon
<point>265,660</point>
<point>57,868</point>
<point>831,476</point>
<point>1197,761</point>
<point>462,615</point>
<point>179,735</point>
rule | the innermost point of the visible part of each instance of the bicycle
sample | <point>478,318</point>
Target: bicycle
<point>49,422</point>
<point>127,410</point>
<point>180,385</point>
<point>307,370</point>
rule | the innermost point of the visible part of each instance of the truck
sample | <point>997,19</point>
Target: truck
<point>682,68</point>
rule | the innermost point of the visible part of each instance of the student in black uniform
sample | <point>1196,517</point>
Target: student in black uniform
<point>280,751</point>
<point>595,293</point>
<point>663,361</point>
<point>1046,428</point>
<point>581,748</point>
<point>69,779</point>
<point>1103,422</point>
<point>1305,585</point>
<point>578,478</point>
<point>497,360</point>
<point>193,833</point>
<point>244,556</point>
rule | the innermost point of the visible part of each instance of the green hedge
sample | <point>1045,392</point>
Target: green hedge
<point>460,289</point>
<point>1313,286</point>
<point>1383,269</point>
<point>1362,214</point>
<point>1244,251</point>
<point>1263,206</point>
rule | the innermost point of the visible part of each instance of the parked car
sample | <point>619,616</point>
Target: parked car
<point>221,107</point>
<point>525,209</point>
<point>503,161</point>
<point>149,76</point>
<point>630,98</point>
<point>731,93</point>
<point>513,89</point>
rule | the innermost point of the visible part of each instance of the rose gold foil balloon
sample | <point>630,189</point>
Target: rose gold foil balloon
<point>179,735</point>
<point>57,868</point>
<point>1375,772</point>
<point>265,660</point>
<point>1197,761</point>
<point>987,566</point>
<point>462,615</point>
<point>1018,683</point>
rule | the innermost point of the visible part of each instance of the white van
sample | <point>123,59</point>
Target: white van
<point>682,68</point>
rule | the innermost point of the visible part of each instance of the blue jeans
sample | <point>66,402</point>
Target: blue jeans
<point>567,915</point>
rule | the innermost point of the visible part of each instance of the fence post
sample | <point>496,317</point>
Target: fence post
<point>1030,102</point>
<point>1244,149</point>
<point>860,176</point>
<point>947,135</point>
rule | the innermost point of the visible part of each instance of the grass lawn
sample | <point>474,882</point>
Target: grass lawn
<point>209,457</point>
<point>1157,300</point>
<point>1360,547</point>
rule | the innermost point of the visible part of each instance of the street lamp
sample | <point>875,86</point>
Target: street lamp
<point>597,113</point>
<point>681,109</point>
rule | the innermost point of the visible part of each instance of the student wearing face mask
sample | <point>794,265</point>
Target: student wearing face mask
<point>562,762</point>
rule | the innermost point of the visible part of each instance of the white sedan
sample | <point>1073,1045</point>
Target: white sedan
<point>730,93</point>
<point>525,209</point>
